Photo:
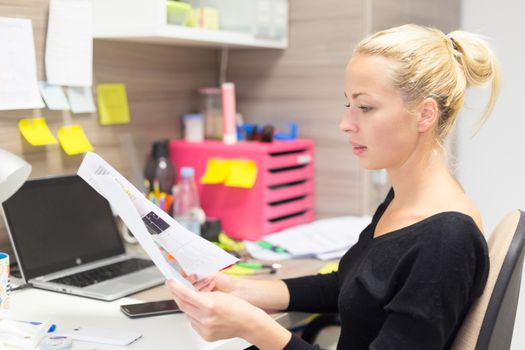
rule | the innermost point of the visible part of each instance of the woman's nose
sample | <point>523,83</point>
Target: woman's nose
<point>348,123</point>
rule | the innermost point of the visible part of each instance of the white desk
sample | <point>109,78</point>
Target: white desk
<point>67,312</point>
<point>159,332</point>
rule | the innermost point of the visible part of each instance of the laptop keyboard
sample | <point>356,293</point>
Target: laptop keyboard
<point>103,273</point>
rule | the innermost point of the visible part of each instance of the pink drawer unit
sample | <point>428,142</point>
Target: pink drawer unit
<point>288,175</point>
<point>279,224</point>
<point>281,197</point>
<point>289,190</point>
<point>288,206</point>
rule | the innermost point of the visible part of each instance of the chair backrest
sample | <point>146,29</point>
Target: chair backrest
<point>490,321</point>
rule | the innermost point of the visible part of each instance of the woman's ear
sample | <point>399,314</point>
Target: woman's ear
<point>428,115</point>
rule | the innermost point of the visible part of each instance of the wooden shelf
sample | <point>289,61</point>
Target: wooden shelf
<point>146,21</point>
<point>180,35</point>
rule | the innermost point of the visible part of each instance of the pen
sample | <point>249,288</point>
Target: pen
<point>255,265</point>
<point>269,246</point>
<point>156,189</point>
<point>51,329</point>
<point>162,200</point>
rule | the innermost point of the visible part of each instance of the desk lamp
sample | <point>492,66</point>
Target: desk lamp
<point>14,171</point>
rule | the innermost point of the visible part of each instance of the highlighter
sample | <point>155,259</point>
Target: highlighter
<point>229,114</point>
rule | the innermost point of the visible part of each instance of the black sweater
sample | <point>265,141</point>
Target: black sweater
<point>408,289</point>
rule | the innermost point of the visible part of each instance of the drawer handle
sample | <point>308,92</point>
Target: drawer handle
<point>288,168</point>
<point>287,184</point>
<point>281,218</point>
<point>285,153</point>
<point>287,200</point>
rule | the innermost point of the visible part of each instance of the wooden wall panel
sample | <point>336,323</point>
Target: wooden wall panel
<point>444,15</point>
<point>161,83</point>
<point>304,83</point>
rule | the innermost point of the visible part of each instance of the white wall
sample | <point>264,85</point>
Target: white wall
<point>491,166</point>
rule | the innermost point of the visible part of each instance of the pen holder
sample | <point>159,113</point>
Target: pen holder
<point>282,195</point>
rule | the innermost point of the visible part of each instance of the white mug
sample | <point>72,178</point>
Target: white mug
<point>4,281</point>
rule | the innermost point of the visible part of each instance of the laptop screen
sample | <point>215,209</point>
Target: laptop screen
<point>60,222</point>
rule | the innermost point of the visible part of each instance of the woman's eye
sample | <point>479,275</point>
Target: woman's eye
<point>362,108</point>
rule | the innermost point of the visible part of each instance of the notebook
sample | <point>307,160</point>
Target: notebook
<point>65,239</point>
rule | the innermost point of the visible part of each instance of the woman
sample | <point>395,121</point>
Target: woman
<point>410,279</point>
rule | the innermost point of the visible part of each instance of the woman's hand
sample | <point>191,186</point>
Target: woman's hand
<point>217,315</point>
<point>269,295</point>
<point>217,282</point>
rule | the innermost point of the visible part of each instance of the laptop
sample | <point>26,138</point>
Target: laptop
<point>65,239</point>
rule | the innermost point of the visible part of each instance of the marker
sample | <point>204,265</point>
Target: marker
<point>245,271</point>
<point>269,246</point>
<point>167,204</point>
<point>257,266</point>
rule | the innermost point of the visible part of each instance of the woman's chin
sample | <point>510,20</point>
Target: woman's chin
<point>367,165</point>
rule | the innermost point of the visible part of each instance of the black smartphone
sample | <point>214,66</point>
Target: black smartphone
<point>154,308</point>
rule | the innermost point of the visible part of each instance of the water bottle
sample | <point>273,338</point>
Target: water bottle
<point>186,207</point>
<point>159,168</point>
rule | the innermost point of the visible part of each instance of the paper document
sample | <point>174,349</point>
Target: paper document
<point>152,226</point>
<point>69,43</point>
<point>324,239</point>
<point>320,236</point>
<point>18,79</point>
<point>125,209</point>
<point>54,96</point>
<point>81,99</point>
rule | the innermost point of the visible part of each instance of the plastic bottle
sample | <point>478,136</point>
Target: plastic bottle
<point>229,114</point>
<point>159,168</point>
<point>211,109</point>
<point>186,204</point>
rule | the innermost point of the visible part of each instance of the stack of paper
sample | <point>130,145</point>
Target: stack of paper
<point>22,334</point>
<point>322,239</point>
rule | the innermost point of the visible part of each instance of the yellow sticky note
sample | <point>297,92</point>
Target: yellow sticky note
<point>73,140</point>
<point>217,170</point>
<point>243,173</point>
<point>113,104</point>
<point>328,268</point>
<point>36,132</point>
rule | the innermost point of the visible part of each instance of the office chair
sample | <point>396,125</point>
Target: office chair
<point>490,321</point>
<point>321,329</point>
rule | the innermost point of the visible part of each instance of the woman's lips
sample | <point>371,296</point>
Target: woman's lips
<point>357,149</point>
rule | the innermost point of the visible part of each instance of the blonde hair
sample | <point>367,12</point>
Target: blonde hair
<point>428,63</point>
